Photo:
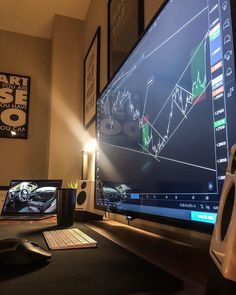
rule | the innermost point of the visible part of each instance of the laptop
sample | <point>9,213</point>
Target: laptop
<point>30,199</point>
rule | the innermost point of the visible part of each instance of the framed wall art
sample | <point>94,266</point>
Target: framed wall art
<point>14,105</point>
<point>91,79</point>
<point>125,25</point>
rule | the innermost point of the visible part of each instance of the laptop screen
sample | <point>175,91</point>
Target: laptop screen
<point>31,197</point>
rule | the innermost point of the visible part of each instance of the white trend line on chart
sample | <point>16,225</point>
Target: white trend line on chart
<point>180,101</point>
<point>190,109</point>
<point>150,154</point>
<point>180,29</point>
<point>150,82</point>
<point>181,76</point>
<point>157,148</point>
<point>122,148</point>
<point>180,162</point>
<point>182,98</point>
<point>168,159</point>
<point>186,163</point>
<point>149,54</point>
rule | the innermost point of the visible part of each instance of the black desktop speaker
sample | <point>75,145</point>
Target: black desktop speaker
<point>223,242</point>
<point>85,195</point>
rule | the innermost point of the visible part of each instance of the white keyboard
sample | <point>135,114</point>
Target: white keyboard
<point>71,238</point>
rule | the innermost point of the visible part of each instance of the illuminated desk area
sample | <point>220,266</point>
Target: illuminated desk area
<point>186,264</point>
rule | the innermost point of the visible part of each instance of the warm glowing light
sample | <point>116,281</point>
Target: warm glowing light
<point>13,133</point>
<point>90,146</point>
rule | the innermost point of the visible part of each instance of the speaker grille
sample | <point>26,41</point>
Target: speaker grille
<point>81,197</point>
<point>83,185</point>
<point>227,211</point>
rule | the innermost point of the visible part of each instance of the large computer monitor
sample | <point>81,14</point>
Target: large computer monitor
<point>167,119</point>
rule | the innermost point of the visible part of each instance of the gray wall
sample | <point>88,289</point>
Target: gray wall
<point>30,56</point>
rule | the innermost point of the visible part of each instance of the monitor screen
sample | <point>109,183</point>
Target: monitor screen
<point>31,196</point>
<point>166,121</point>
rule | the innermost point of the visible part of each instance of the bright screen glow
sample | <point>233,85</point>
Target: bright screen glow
<point>166,121</point>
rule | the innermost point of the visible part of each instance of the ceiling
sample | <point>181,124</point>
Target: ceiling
<point>35,17</point>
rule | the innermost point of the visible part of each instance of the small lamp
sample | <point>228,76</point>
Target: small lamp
<point>89,147</point>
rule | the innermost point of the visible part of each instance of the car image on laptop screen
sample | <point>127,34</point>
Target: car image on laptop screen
<point>31,197</point>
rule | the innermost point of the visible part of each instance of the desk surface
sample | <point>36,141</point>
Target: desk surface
<point>107,269</point>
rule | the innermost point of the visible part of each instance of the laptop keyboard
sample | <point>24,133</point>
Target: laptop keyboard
<point>71,238</point>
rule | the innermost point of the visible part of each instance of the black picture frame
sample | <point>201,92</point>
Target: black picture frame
<point>14,105</point>
<point>125,25</point>
<point>91,79</point>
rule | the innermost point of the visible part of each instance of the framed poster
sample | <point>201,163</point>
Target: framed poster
<point>125,25</point>
<point>91,79</point>
<point>14,105</point>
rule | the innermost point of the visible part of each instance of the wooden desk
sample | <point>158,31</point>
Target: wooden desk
<point>52,220</point>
